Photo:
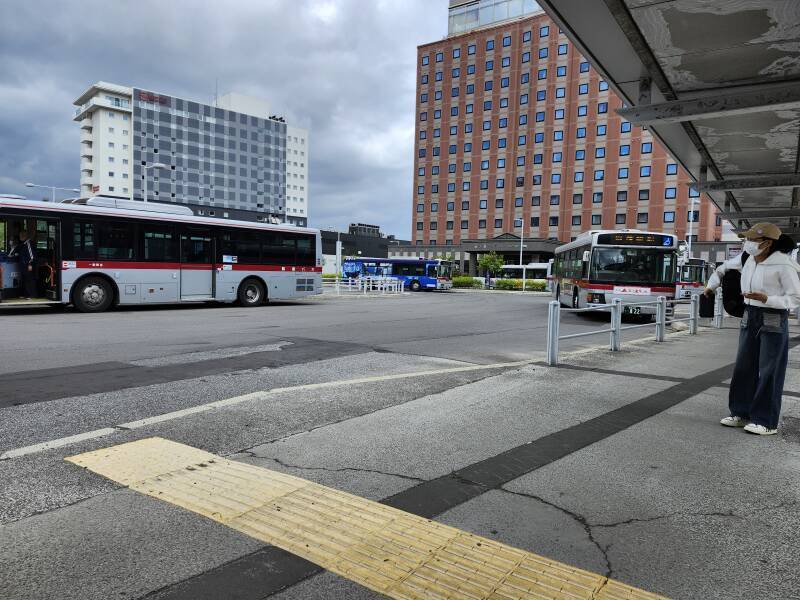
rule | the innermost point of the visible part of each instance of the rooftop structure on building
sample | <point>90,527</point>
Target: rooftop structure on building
<point>518,134</point>
<point>365,229</point>
<point>230,159</point>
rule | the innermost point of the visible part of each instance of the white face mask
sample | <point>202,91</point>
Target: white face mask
<point>752,248</point>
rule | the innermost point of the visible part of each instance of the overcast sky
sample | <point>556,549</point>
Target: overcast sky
<point>345,69</point>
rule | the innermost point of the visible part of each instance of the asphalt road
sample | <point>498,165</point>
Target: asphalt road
<point>403,400</point>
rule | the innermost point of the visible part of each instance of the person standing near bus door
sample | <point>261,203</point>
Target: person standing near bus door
<point>771,289</point>
<point>26,255</point>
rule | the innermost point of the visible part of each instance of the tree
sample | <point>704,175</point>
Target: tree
<point>491,263</point>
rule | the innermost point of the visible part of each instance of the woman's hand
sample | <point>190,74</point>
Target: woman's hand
<point>758,296</point>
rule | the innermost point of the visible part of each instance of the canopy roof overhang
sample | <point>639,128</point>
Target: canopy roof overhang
<point>717,81</point>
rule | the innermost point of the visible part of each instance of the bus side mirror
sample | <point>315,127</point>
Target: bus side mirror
<point>586,256</point>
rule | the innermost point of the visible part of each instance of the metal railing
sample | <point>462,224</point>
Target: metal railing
<point>367,286</point>
<point>615,328</point>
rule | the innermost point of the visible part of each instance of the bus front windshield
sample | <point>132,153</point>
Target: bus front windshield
<point>632,265</point>
<point>444,270</point>
<point>692,274</point>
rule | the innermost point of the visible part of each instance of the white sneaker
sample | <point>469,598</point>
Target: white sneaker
<point>759,429</point>
<point>733,422</point>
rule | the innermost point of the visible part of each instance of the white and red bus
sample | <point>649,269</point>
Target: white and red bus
<point>104,251</point>
<point>599,266</point>
<point>692,277</point>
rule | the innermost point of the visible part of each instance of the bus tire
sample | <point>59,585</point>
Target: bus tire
<point>92,294</point>
<point>415,286</point>
<point>252,293</point>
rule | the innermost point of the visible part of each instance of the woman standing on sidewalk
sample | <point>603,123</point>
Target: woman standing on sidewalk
<point>771,288</point>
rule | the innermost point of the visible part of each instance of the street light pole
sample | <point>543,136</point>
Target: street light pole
<point>158,167</point>
<point>521,240</point>
<point>691,228</point>
<point>52,188</point>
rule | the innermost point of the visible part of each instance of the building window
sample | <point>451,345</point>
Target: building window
<point>503,102</point>
<point>622,196</point>
<point>522,140</point>
<point>599,152</point>
<point>584,67</point>
<point>625,126</point>
<point>490,44</point>
<point>602,107</point>
<point>423,116</point>
<point>464,224</point>
<point>506,62</point>
<point>487,85</point>
<point>500,183</point>
<point>559,114</point>
<point>526,57</point>
<point>644,171</point>
<point>577,199</point>
<point>543,52</point>
<point>518,201</point>
<point>583,88</point>
<point>525,78</point>
<point>581,132</point>
<point>425,60</point>
<point>523,99</point>
<point>555,178</point>
<point>434,207</point>
<point>558,135</point>
<point>693,193</point>
<point>539,116</point>
<point>647,147</point>
<point>693,216</point>
<point>622,173</point>
<point>620,220</point>
<point>561,71</point>
<point>456,52</point>
<point>483,204</point>
<point>506,41</point>
<point>602,85</point>
<point>438,76</point>
<point>601,130</point>
<point>583,110</point>
<point>419,226</point>
<point>538,137</point>
<point>451,206</point>
<point>576,219</point>
<point>644,195</point>
<point>596,219</point>
<point>489,65</point>
<point>599,174</point>
<point>624,150</point>
<point>670,193</point>
<point>580,154</point>
<point>672,168</point>
<point>498,223</point>
<point>557,157</point>
<point>534,221</point>
<point>481,223</point>
<point>537,159</point>
<point>541,95</point>
<point>555,200</point>
<point>439,57</point>
<point>541,74</point>
<point>641,217</point>
<point>536,200</point>
<point>471,49</point>
<point>669,216</point>
<point>562,49</point>
<point>553,221</point>
<point>526,36</point>
<point>451,187</point>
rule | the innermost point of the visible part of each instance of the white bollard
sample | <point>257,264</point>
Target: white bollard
<point>553,319</point>
<point>661,318</point>
<point>616,325</point>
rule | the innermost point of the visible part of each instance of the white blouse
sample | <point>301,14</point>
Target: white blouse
<point>777,277</point>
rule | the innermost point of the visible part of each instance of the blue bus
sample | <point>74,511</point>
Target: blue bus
<point>417,273</point>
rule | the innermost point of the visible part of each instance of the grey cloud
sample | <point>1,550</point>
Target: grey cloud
<point>345,69</point>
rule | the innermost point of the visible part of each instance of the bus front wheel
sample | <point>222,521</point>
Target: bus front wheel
<point>251,293</point>
<point>415,286</point>
<point>92,295</point>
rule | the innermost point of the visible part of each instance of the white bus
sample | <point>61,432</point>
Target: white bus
<point>599,266</point>
<point>104,251</point>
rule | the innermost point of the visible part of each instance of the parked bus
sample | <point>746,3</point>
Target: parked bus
<point>692,277</point>
<point>104,251</point>
<point>530,271</point>
<point>417,273</point>
<point>599,266</point>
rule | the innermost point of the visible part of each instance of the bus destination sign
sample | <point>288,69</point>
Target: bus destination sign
<point>635,239</point>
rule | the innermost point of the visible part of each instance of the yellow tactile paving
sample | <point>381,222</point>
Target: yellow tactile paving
<point>387,550</point>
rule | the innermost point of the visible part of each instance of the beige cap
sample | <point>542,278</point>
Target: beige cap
<point>762,230</point>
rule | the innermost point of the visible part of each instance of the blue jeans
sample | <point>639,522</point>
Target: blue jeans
<point>757,383</point>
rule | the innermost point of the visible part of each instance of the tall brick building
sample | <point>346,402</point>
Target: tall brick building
<point>513,127</point>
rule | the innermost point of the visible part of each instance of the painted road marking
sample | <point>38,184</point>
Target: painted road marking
<point>254,396</point>
<point>384,549</point>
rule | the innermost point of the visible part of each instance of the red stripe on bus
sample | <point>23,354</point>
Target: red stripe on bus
<point>606,286</point>
<point>115,264</point>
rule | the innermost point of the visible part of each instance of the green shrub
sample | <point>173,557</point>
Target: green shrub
<point>465,281</point>
<point>531,285</point>
<point>330,276</point>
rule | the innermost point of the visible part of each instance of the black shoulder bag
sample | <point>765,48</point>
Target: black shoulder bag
<point>732,298</point>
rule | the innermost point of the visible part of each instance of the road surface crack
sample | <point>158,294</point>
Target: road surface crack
<point>582,521</point>
<point>337,470</point>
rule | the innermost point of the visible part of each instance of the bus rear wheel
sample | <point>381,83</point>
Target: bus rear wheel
<point>251,293</point>
<point>92,295</point>
<point>415,286</point>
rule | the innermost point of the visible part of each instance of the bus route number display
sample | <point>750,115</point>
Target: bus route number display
<point>635,239</point>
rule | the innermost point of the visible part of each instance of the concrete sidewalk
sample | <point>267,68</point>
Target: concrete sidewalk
<point>612,462</point>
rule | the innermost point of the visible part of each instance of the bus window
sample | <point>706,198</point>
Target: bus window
<point>432,271</point>
<point>306,251</point>
<point>160,244</point>
<point>83,241</point>
<point>115,240</point>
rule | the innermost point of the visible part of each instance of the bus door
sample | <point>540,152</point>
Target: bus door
<point>47,257</point>
<point>197,265</point>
